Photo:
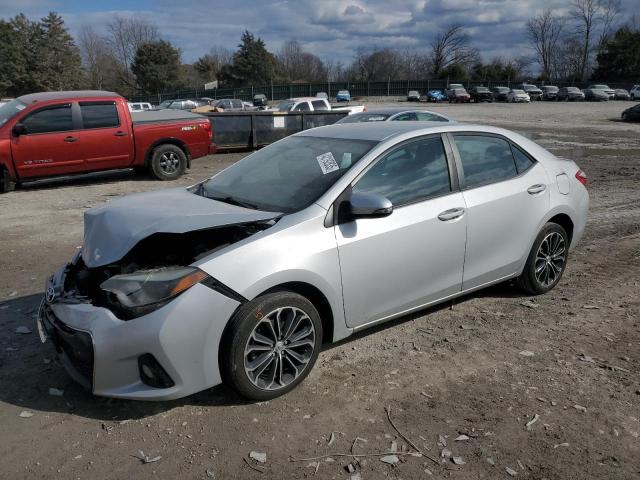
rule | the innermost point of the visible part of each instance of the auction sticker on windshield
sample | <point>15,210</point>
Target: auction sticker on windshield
<point>327,162</point>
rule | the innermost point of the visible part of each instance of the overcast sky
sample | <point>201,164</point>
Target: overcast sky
<point>328,28</point>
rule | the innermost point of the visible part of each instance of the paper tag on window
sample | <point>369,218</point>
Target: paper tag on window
<point>327,163</point>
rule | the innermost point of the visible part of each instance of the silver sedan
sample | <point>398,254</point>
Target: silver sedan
<point>242,277</point>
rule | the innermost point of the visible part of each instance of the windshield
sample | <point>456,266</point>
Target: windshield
<point>573,89</point>
<point>482,89</point>
<point>518,92</point>
<point>343,92</point>
<point>9,109</point>
<point>551,89</point>
<point>501,89</point>
<point>288,175</point>
<point>165,104</point>
<point>364,117</point>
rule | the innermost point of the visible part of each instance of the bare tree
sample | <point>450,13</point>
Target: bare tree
<point>376,64</point>
<point>586,13</point>
<point>297,64</point>
<point>98,60</point>
<point>450,47</point>
<point>611,9</point>
<point>335,70</point>
<point>544,32</point>
<point>125,36</point>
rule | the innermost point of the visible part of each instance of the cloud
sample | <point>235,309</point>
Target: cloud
<point>328,28</point>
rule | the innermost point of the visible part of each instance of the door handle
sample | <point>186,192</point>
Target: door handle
<point>70,139</point>
<point>451,214</point>
<point>537,188</point>
<point>120,134</point>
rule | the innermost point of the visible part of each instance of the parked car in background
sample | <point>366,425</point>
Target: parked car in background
<point>518,96</point>
<point>611,93</point>
<point>500,94</point>
<point>233,105</point>
<point>343,96</point>
<point>322,95</point>
<point>635,92</point>
<point>434,96</point>
<point>315,104</point>
<point>550,92</point>
<point>139,106</point>
<point>570,94</point>
<point>260,100</point>
<point>413,96</point>
<point>621,94</point>
<point>5,100</point>
<point>394,114</point>
<point>459,95</point>
<point>596,95</point>
<point>535,94</point>
<point>451,87</point>
<point>481,94</point>
<point>63,133</point>
<point>242,277</point>
<point>631,114</point>
<point>181,104</point>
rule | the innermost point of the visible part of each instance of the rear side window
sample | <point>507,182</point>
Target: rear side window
<point>302,107</point>
<point>485,159</point>
<point>237,104</point>
<point>411,173</point>
<point>410,116</point>
<point>523,162</point>
<point>99,115</point>
<point>430,117</point>
<point>319,105</point>
<point>49,120</point>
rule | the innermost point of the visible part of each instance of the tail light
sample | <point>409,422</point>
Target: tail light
<point>207,128</point>
<point>581,177</point>
<point>364,109</point>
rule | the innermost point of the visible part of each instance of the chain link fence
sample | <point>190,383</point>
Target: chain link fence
<point>390,88</point>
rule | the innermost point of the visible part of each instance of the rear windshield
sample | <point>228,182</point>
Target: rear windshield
<point>9,109</point>
<point>365,117</point>
<point>482,89</point>
<point>286,106</point>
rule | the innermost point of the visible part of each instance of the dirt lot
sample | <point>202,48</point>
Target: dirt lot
<point>484,367</point>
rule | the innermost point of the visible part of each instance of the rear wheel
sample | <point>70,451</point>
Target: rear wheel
<point>547,260</point>
<point>271,345</point>
<point>6,185</point>
<point>168,162</point>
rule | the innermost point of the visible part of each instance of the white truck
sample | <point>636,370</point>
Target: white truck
<point>316,104</point>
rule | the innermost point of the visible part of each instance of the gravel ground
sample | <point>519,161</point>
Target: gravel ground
<point>483,367</point>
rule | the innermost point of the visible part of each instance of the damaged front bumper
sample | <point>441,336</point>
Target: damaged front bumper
<point>114,358</point>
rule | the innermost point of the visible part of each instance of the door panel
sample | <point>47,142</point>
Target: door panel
<point>105,139</point>
<point>51,145</point>
<point>502,222</point>
<point>393,264</point>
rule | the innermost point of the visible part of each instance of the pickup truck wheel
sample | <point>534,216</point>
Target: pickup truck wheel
<point>6,185</point>
<point>168,162</point>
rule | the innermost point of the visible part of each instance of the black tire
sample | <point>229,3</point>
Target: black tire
<point>168,162</point>
<point>624,117</point>
<point>6,185</point>
<point>528,281</point>
<point>238,334</point>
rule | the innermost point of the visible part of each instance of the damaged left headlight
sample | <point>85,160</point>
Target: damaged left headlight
<point>139,293</point>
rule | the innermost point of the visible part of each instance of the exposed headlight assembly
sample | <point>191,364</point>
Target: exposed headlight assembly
<point>136,294</point>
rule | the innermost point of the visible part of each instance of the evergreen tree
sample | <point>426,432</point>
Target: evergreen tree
<point>156,66</point>
<point>252,64</point>
<point>620,57</point>
<point>61,63</point>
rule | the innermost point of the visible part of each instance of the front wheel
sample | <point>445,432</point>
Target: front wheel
<point>271,345</point>
<point>168,162</point>
<point>547,260</point>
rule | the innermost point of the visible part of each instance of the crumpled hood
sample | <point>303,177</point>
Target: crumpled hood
<point>113,229</point>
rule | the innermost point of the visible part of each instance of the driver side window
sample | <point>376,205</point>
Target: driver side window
<point>411,173</point>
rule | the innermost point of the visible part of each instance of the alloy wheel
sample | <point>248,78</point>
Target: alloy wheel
<point>550,259</point>
<point>169,163</point>
<point>279,348</point>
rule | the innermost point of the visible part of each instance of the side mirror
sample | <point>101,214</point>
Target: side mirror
<point>369,205</point>
<point>19,129</point>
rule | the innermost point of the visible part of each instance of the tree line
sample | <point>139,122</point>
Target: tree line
<point>131,57</point>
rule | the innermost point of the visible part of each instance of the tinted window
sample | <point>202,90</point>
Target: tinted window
<point>485,159</point>
<point>406,116</point>
<point>237,104</point>
<point>57,119</point>
<point>430,117</point>
<point>523,162</point>
<point>100,115</point>
<point>413,172</point>
<point>319,105</point>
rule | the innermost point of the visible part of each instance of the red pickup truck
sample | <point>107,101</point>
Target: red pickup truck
<point>62,133</point>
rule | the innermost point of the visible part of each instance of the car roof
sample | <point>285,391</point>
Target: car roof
<point>47,96</point>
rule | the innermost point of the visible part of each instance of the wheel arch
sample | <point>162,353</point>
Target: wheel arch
<point>167,141</point>
<point>565,222</point>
